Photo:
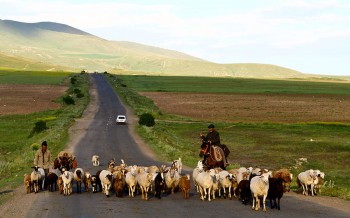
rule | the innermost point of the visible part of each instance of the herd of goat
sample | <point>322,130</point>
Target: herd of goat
<point>246,184</point>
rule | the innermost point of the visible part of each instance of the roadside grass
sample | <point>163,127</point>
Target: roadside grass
<point>298,147</point>
<point>16,153</point>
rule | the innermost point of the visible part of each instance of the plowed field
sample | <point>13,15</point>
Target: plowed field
<point>26,99</point>
<point>286,108</point>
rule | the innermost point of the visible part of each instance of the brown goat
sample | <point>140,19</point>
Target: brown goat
<point>286,176</point>
<point>185,186</point>
<point>118,183</point>
<point>27,183</point>
<point>60,184</point>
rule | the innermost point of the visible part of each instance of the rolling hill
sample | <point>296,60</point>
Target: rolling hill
<point>53,44</point>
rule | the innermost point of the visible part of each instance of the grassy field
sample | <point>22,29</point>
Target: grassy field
<point>16,153</point>
<point>325,145</point>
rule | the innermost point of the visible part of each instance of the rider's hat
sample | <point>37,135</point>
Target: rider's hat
<point>211,126</point>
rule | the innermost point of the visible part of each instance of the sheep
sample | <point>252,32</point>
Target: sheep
<point>177,165</point>
<point>106,181</point>
<point>67,178</point>
<point>185,186</point>
<point>276,189</point>
<point>225,179</point>
<point>87,181</point>
<point>35,177</point>
<point>216,185</point>
<point>60,184</point>
<point>304,179</point>
<point>259,186</point>
<point>95,160</point>
<point>286,176</point>
<point>27,183</point>
<point>79,178</point>
<point>205,182</point>
<point>131,181</point>
<point>51,181</point>
<point>118,183</point>
<point>195,173</point>
<point>144,180</point>
<point>243,191</point>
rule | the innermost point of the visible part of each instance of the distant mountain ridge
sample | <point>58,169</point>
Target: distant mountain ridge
<point>55,44</point>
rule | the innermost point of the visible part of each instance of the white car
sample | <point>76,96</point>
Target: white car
<point>121,119</point>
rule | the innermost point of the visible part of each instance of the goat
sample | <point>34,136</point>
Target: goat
<point>131,181</point>
<point>87,181</point>
<point>144,180</point>
<point>27,183</point>
<point>60,184</point>
<point>95,160</point>
<point>118,183</point>
<point>94,183</point>
<point>159,184</point>
<point>172,178</point>
<point>259,186</point>
<point>67,178</point>
<point>106,181</point>
<point>185,186</point>
<point>195,173</point>
<point>177,164</point>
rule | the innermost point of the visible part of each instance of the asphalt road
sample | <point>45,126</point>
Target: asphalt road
<point>108,140</point>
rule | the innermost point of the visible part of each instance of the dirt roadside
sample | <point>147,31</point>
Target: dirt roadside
<point>20,203</point>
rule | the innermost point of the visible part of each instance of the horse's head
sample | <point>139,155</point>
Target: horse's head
<point>62,162</point>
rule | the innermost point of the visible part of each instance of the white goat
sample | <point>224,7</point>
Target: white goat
<point>106,181</point>
<point>305,179</point>
<point>195,173</point>
<point>131,181</point>
<point>144,180</point>
<point>67,178</point>
<point>172,179</point>
<point>205,183</point>
<point>259,186</point>
<point>95,160</point>
<point>225,179</point>
<point>178,165</point>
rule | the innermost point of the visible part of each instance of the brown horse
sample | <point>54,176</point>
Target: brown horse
<point>62,162</point>
<point>210,153</point>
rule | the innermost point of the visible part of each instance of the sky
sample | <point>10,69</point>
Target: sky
<point>310,36</point>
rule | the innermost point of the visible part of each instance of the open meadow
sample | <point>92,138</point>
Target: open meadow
<point>265,123</point>
<point>28,97</point>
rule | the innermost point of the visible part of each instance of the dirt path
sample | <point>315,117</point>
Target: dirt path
<point>21,203</point>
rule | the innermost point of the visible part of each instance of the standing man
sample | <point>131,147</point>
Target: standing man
<point>42,159</point>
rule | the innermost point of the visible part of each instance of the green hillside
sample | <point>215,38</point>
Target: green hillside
<point>61,45</point>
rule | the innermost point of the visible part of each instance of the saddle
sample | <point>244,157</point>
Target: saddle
<point>218,152</point>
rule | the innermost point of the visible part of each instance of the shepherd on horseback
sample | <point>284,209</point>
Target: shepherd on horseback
<point>213,139</point>
<point>65,160</point>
